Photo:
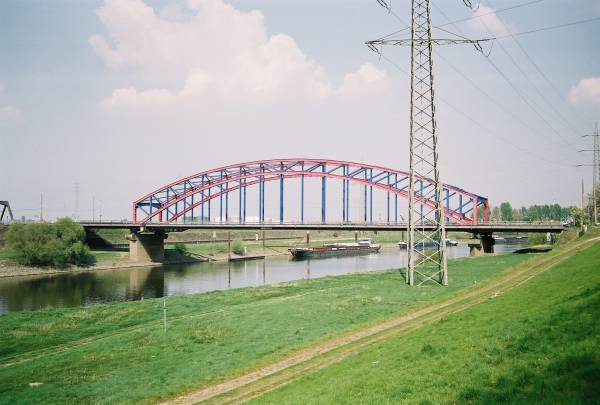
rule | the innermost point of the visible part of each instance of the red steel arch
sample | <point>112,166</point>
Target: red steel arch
<point>172,202</point>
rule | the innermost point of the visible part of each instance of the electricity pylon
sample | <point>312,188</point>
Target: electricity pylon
<point>596,171</point>
<point>426,222</point>
<point>596,168</point>
<point>5,209</point>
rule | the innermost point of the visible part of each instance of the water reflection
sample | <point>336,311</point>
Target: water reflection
<point>71,290</point>
<point>81,289</point>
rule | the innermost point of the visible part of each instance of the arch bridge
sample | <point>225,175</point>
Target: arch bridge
<point>192,199</point>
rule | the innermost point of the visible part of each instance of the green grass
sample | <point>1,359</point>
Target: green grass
<point>100,256</point>
<point>109,255</point>
<point>538,343</point>
<point>205,249</point>
<point>210,336</point>
<point>114,235</point>
<point>8,255</point>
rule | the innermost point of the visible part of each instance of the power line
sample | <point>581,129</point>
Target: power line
<point>501,10</point>
<point>457,21</point>
<point>550,163</point>
<point>388,7</point>
<point>553,163</point>
<point>541,73</point>
<point>553,27</point>
<point>499,104</point>
<point>522,96</point>
<point>535,65</point>
<point>545,77</point>
<point>530,104</point>
<point>527,102</point>
<point>515,34</point>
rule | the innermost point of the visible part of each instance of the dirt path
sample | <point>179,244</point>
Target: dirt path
<point>335,350</point>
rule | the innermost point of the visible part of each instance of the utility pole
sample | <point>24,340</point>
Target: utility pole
<point>76,202</point>
<point>426,223</point>
<point>41,207</point>
<point>229,246</point>
<point>582,204</point>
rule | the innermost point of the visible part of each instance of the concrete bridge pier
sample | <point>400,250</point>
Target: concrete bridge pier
<point>475,248</point>
<point>147,246</point>
<point>487,242</point>
<point>481,245</point>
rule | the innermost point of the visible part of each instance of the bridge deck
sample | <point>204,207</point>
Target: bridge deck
<point>178,227</point>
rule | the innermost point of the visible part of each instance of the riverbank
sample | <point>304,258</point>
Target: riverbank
<point>81,354</point>
<point>196,253</point>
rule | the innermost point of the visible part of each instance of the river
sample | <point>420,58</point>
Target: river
<point>88,288</point>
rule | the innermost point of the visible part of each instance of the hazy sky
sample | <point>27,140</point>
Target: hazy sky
<point>123,96</point>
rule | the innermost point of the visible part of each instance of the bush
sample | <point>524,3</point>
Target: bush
<point>536,239</point>
<point>57,244</point>
<point>237,247</point>
<point>181,248</point>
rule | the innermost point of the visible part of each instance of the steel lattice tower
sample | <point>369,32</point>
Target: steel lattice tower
<point>427,263</point>
<point>595,174</point>
<point>426,222</point>
<point>596,177</point>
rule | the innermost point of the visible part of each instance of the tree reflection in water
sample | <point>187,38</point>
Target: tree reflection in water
<point>80,289</point>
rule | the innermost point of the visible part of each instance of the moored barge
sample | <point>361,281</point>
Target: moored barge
<point>336,249</point>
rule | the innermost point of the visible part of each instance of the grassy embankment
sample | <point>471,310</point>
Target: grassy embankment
<point>119,352</point>
<point>537,343</point>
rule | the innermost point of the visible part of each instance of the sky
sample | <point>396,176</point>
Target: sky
<point>104,101</point>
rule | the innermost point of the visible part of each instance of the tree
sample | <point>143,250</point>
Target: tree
<point>43,244</point>
<point>506,211</point>
<point>516,213</point>
<point>578,216</point>
<point>495,214</point>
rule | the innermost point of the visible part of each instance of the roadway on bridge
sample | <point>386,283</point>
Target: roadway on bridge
<point>380,227</point>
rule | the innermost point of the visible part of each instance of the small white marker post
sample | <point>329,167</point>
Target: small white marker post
<point>165,315</point>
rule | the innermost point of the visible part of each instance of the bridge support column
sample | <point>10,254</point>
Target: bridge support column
<point>487,243</point>
<point>483,244</point>
<point>475,248</point>
<point>147,247</point>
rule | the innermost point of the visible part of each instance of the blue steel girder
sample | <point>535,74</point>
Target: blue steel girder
<point>175,199</point>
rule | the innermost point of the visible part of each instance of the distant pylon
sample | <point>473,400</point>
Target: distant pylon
<point>426,223</point>
<point>596,172</point>
<point>596,176</point>
<point>76,190</point>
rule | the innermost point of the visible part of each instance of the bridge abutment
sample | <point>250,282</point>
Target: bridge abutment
<point>147,246</point>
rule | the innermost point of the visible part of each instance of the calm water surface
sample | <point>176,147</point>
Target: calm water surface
<point>83,289</point>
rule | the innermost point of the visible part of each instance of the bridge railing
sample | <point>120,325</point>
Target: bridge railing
<point>382,224</point>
